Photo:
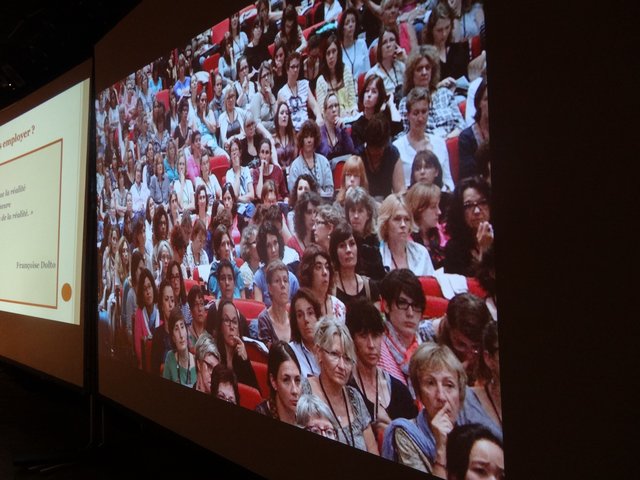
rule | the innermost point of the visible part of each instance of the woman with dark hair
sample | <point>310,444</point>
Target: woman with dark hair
<point>349,285</point>
<point>231,119</point>
<point>233,353</point>
<point>175,276</point>
<point>254,133</point>
<point>327,218</point>
<point>304,314</point>
<point>206,124</point>
<point>161,343</point>
<point>245,87</point>
<point>373,99</point>
<point>316,273</point>
<point>426,169</point>
<point>297,93</point>
<point>171,161</point>
<point>390,66</point>
<point>403,305</point>
<point>226,64</point>
<point>129,291</point>
<point>290,34</point>
<point>202,205</point>
<point>238,38</point>
<point>335,78</point>
<point>194,155</point>
<point>278,68</point>
<point>160,183</point>
<point>147,318</point>
<point>263,103</point>
<point>474,453</point>
<point>183,186</point>
<point>477,134</point>
<point>268,171</point>
<point>196,256</point>
<point>335,142</point>
<point>304,219</point>
<point>216,104</point>
<point>423,202</point>
<point>224,384</point>
<point>310,162</point>
<point>386,397</point>
<point>179,364</point>
<point>468,226</point>
<point>355,54</point>
<point>285,385</point>
<point>273,321</point>
<point>160,227</point>
<point>230,204</point>
<point>198,318</point>
<point>361,212</point>
<point>270,246</point>
<point>423,70</point>
<point>161,135</point>
<point>240,178</point>
<point>257,51</point>
<point>182,132</point>
<point>304,183</point>
<point>285,136</point>
<point>173,210</point>
<point>487,387</point>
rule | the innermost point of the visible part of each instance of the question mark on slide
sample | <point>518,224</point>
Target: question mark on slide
<point>33,129</point>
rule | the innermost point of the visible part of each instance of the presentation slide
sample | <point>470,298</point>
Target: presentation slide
<point>42,185</point>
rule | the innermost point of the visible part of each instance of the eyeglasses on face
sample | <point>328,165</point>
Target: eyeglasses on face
<point>402,304</point>
<point>471,206</point>
<point>335,357</point>
<point>329,432</point>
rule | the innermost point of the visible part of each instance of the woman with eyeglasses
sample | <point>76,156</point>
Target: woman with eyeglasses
<point>468,226</point>
<point>297,94</point>
<point>233,353</point>
<point>313,415</point>
<point>335,142</point>
<point>316,273</point>
<point>327,219</point>
<point>385,396</point>
<point>231,119</point>
<point>336,356</point>
<point>207,358</point>
<point>263,103</point>
<point>285,384</point>
<point>403,305</point>
<point>396,247</point>
<point>175,276</point>
<point>257,51</point>
<point>245,87</point>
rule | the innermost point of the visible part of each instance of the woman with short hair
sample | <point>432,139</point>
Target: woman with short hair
<point>304,314</point>
<point>310,162</point>
<point>316,273</point>
<point>273,321</point>
<point>179,364</point>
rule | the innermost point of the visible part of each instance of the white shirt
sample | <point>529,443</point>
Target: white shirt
<point>438,147</point>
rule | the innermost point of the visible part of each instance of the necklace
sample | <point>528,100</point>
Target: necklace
<point>364,390</point>
<point>393,80</point>
<point>188,369</point>
<point>394,260</point>
<point>355,55</point>
<point>346,406</point>
<point>495,409</point>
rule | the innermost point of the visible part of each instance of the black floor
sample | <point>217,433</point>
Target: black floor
<point>40,417</point>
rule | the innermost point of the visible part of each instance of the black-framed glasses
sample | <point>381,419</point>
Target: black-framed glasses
<point>329,432</point>
<point>471,206</point>
<point>402,304</point>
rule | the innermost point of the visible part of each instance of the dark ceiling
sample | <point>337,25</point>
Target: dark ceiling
<point>42,39</point>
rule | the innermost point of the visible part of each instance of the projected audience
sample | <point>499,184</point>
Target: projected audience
<point>312,166</point>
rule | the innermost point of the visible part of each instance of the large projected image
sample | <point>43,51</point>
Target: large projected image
<point>295,217</point>
<point>42,177</point>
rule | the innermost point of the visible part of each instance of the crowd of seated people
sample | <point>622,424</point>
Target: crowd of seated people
<point>275,202</point>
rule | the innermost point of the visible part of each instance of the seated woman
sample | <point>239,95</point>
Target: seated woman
<point>316,273</point>
<point>240,178</point>
<point>416,140</point>
<point>473,451</point>
<point>327,218</point>
<point>207,358</point>
<point>285,136</point>
<point>355,54</point>
<point>349,285</point>
<point>423,70</point>
<point>224,384</point>
<point>487,386</point>
<point>313,415</point>
<point>174,211</point>
<point>403,305</point>
<point>297,94</point>
<point>202,211</point>
<point>440,382</point>
<point>335,143</point>
<point>468,226</point>
<point>263,103</point>
<point>129,290</point>
<point>249,253</point>
<point>210,182</point>
<point>160,184</point>
<point>196,255</point>
<point>198,326</point>
<point>381,159</point>
<point>290,34</point>
<point>233,353</point>
<point>245,88</point>
<point>334,77</point>
<point>285,384</point>
<point>147,318</point>
<point>273,321</point>
<point>160,229</point>
<point>310,162</point>
<point>396,248</point>
<point>305,212</point>
<point>278,68</point>
<point>207,126</point>
<point>270,211</point>
<point>304,183</point>
<point>179,364</point>
<point>162,344</point>
<point>426,169</point>
<point>373,99</point>
<point>230,205</point>
<point>303,316</point>
<point>336,357</point>
<point>475,135</point>
<point>423,201</point>
<point>353,175</point>
<point>222,246</point>
<point>390,66</point>
<point>270,246</point>
<point>183,186</point>
<point>257,52</point>
<point>231,119</point>
<point>386,397</point>
<point>268,171</point>
<point>361,211</point>
<point>162,255</point>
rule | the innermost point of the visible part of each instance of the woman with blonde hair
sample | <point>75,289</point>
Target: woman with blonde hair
<point>423,202</point>
<point>396,247</point>
<point>353,175</point>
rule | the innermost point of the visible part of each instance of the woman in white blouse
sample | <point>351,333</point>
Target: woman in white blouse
<point>183,186</point>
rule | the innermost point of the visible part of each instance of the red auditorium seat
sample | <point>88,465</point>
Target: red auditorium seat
<point>260,369</point>
<point>249,308</point>
<point>250,398</point>
<point>454,158</point>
